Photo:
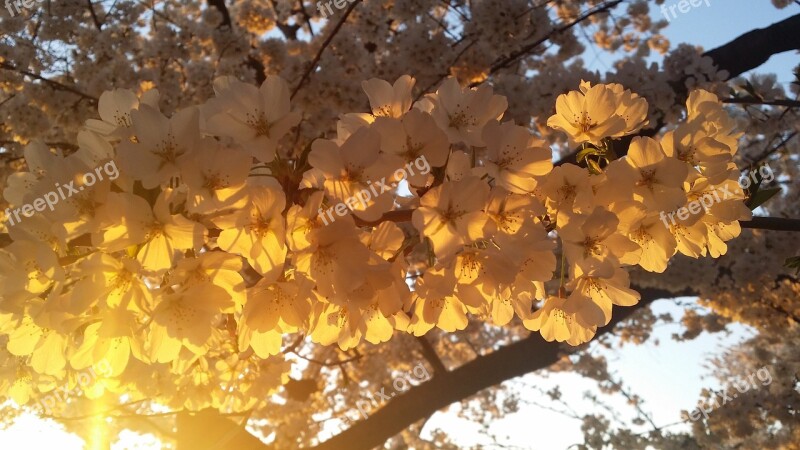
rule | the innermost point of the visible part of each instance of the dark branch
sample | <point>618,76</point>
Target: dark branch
<point>755,101</point>
<point>96,21</point>
<point>227,24</point>
<point>52,83</point>
<point>771,151</point>
<point>431,356</point>
<point>772,223</point>
<point>522,357</point>
<point>525,50</point>
<point>226,15</point>
<point>64,145</point>
<point>754,48</point>
<point>325,45</point>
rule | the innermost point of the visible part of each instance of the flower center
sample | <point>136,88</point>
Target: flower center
<point>168,151</point>
<point>259,123</point>
<point>584,122</point>
<point>648,178</point>
<point>460,120</point>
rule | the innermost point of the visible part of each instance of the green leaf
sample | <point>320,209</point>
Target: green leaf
<point>793,263</point>
<point>594,167</point>
<point>761,197</point>
<point>586,152</point>
<point>751,90</point>
<point>755,186</point>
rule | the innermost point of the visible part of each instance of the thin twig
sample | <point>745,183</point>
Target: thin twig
<point>56,84</point>
<point>756,101</point>
<point>328,363</point>
<point>770,151</point>
<point>325,44</point>
<point>445,75</point>
<point>514,56</point>
<point>64,145</point>
<point>96,21</point>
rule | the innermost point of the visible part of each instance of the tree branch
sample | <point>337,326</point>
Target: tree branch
<point>755,101</point>
<point>227,24</point>
<point>431,356</point>
<point>325,45</point>
<point>525,50</point>
<point>96,21</point>
<point>64,145</point>
<point>522,357</point>
<point>772,223</point>
<point>53,83</point>
<point>754,48</point>
<point>226,15</point>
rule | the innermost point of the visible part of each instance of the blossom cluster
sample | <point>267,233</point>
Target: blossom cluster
<point>209,249</point>
<point>741,386</point>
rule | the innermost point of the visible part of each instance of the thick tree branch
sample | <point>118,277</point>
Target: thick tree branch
<point>772,223</point>
<point>522,357</point>
<point>209,430</point>
<point>754,48</point>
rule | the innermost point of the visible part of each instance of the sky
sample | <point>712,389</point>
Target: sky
<point>668,376</point>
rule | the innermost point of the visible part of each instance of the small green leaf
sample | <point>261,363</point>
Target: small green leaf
<point>751,90</point>
<point>793,263</point>
<point>594,167</point>
<point>754,187</point>
<point>586,152</point>
<point>761,197</point>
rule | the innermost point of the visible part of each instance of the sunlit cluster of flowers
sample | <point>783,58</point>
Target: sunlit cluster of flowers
<point>194,266</point>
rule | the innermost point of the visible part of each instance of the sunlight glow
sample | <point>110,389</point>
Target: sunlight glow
<point>29,432</point>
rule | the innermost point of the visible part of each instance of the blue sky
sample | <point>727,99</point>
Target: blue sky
<point>718,24</point>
